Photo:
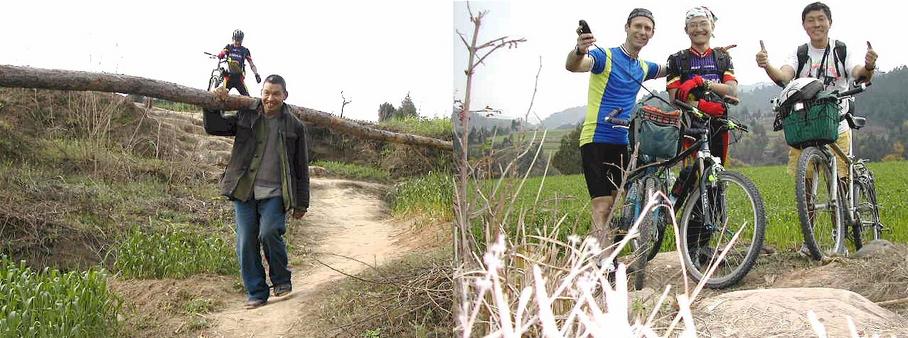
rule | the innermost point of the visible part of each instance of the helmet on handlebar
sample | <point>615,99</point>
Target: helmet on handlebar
<point>798,90</point>
<point>238,35</point>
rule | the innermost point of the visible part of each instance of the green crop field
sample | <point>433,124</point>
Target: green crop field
<point>567,196</point>
<point>550,144</point>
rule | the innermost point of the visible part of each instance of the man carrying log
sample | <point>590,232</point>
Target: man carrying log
<point>267,177</point>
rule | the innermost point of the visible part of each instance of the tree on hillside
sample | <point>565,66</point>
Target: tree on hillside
<point>567,158</point>
<point>386,111</point>
<point>407,108</point>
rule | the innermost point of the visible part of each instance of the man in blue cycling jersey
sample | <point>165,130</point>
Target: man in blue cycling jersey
<point>616,77</point>
<point>237,55</point>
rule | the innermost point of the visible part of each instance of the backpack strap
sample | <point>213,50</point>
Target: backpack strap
<point>682,63</point>
<point>802,59</point>
<point>722,63</point>
<point>840,52</point>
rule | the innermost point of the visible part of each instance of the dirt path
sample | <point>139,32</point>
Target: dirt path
<point>354,223</point>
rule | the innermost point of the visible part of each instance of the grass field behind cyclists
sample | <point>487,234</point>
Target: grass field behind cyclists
<point>567,196</point>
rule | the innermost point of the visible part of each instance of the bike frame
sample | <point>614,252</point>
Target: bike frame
<point>832,151</point>
<point>707,168</point>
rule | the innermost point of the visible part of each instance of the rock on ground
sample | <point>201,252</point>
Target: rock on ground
<point>783,313</point>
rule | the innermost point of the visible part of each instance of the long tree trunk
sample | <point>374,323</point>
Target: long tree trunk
<point>27,77</point>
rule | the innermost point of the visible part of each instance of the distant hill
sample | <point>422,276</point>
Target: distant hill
<point>568,117</point>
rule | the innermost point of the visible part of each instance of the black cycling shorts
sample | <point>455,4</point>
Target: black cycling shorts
<point>236,81</point>
<point>603,166</point>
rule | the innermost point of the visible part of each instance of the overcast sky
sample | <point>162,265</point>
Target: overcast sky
<point>506,79</point>
<point>375,51</point>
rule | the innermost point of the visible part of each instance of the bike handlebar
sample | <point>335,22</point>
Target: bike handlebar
<point>858,88</point>
<point>726,123</point>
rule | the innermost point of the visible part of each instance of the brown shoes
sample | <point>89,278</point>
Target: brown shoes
<point>282,290</point>
<point>255,303</point>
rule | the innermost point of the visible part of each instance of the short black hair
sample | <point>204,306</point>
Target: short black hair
<point>816,6</point>
<point>277,79</point>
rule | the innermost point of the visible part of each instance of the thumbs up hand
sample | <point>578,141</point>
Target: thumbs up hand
<point>870,58</point>
<point>762,56</point>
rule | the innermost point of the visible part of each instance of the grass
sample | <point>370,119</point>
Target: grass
<point>355,171</point>
<point>783,226</point>
<point>567,196</point>
<point>176,106</point>
<point>173,252</point>
<point>430,195</point>
<point>552,139</point>
<point>438,127</point>
<point>50,303</point>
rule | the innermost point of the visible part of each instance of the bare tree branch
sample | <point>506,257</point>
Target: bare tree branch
<point>344,103</point>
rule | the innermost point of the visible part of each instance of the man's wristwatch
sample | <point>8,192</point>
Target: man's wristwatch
<point>870,69</point>
<point>577,51</point>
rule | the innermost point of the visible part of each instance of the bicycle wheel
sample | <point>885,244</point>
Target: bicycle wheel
<point>659,217</point>
<point>821,217</point>
<point>735,206</point>
<point>213,82</point>
<point>643,243</point>
<point>867,213</point>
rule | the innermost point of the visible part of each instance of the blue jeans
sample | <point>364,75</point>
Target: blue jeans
<point>261,224</point>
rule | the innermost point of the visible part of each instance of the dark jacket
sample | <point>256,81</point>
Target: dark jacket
<point>242,126</point>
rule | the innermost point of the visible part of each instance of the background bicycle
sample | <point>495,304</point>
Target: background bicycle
<point>218,73</point>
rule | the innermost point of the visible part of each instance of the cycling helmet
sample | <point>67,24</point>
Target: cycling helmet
<point>799,90</point>
<point>238,35</point>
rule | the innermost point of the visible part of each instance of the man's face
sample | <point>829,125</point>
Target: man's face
<point>699,29</point>
<point>237,42</point>
<point>273,96</point>
<point>817,24</point>
<point>639,31</point>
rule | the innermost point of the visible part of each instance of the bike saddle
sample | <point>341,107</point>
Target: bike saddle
<point>855,122</point>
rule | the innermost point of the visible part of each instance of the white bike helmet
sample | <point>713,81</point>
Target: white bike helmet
<point>798,90</point>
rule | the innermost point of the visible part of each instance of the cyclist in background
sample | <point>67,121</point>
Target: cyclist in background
<point>237,55</point>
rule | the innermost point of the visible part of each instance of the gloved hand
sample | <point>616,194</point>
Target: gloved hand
<point>689,85</point>
<point>258,78</point>
<point>714,109</point>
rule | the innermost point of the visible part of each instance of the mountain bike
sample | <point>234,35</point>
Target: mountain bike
<point>827,205</point>
<point>218,73</point>
<point>643,181</point>
<point>717,205</point>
